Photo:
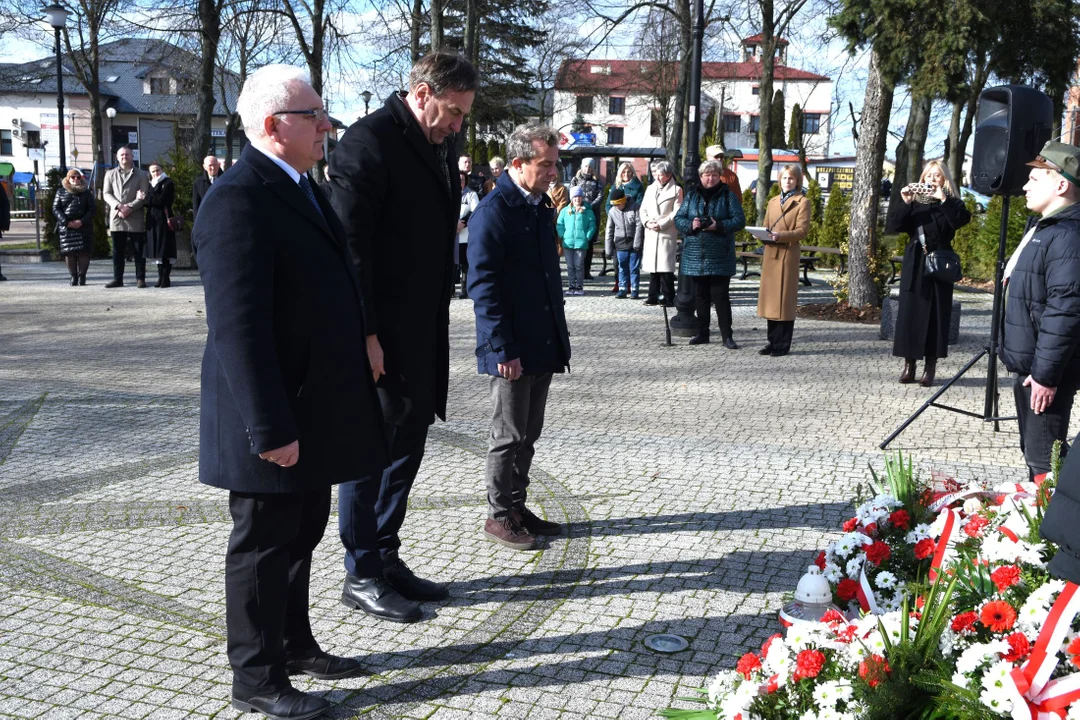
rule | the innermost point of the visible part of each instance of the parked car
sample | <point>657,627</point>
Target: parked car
<point>981,201</point>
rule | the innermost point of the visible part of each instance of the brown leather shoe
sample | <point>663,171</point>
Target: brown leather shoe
<point>928,373</point>
<point>535,525</point>
<point>508,532</point>
<point>908,375</point>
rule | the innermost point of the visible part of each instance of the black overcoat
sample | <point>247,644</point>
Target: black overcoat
<point>285,356</point>
<point>400,218</point>
<point>918,293</point>
<point>199,188</point>
<point>160,240</point>
<point>5,211</point>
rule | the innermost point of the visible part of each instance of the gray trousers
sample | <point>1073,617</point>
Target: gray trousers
<point>517,418</point>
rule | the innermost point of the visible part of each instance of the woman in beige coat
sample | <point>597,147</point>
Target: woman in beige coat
<point>788,220</point>
<point>662,200</point>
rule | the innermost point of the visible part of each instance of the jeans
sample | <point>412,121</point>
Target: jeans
<point>517,418</point>
<point>712,288</point>
<point>1038,432</point>
<point>138,246</point>
<point>371,511</point>
<point>575,268</point>
<point>629,270</point>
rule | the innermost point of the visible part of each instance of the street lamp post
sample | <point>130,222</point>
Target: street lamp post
<point>367,99</point>
<point>57,16</point>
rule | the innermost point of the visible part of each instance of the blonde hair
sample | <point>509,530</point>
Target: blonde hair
<point>618,176</point>
<point>950,186</point>
<point>795,171</point>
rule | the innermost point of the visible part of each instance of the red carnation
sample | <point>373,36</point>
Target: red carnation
<point>1005,577</point>
<point>765,645</point>
<point>831,617</point>
<point>900,519</point>
<point>1073,651</point>
<point>820,560</point>
<point>808,664</point>
<point>851,524</point>
<point>924,549</point>
<point>1019,647</point>
<point>847,589</point>
<point>974,526</point>
<point>877,552</point>
<point>874,669</point>
<point>747,664</point>
<point>869,530</point>
<point>847,634</point>
<point>773,684</point>
<point>964,622</point>
<point>998,615</point>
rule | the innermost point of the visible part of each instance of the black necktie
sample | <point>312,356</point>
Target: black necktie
<point>305,185</point>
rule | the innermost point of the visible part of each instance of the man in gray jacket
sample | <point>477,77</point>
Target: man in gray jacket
<point>126,188</point>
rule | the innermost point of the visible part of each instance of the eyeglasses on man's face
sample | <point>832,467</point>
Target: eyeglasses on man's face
<point>318,114</point>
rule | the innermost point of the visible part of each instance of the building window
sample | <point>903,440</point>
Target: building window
<point>159,86</point>
<point>656,122</point>
<point>584,104</point>
<point>617,105</point>
<point>5,142</point>
<point>811,123</point>
<point>756,90</point>
<point>614,136</point>
<point>732,123</point>
<point>33,139</point>
<point>754,124</point>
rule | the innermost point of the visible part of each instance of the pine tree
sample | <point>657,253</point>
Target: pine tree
<point>776,130</point>
<point>834,224</point>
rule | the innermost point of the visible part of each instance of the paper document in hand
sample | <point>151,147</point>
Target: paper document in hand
<point>761,233</point>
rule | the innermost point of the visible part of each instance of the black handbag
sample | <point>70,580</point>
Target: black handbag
<point>941,265</point>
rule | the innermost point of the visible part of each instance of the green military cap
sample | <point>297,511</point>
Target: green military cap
<point>1062,158</point>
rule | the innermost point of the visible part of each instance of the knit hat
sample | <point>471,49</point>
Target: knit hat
<point>587,162</point>
<point>576,191</point>
<point>617,196</point>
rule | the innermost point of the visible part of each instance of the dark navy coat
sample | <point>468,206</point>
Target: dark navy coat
<point>400,210</point>
<point>285,355</point>
<point>515,283</point>
<point>1042,307</point>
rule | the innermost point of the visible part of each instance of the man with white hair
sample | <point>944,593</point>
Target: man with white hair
<point>289,406</point>
<point>203,183</point>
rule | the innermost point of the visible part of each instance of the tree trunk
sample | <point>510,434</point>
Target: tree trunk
<point>877,103</point>
<point>415,24</point>
<point>765,119</point>
<point>209,37</point>
<point>436,25</point>
<point>954,160</point>
<point>909,153</point>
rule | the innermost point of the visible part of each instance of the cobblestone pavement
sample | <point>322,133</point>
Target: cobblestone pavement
<point>698,482</point>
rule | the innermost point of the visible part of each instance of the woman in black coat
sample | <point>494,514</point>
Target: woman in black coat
<point>160,240</point>
<point>922,322</point>
<point>73,208</point>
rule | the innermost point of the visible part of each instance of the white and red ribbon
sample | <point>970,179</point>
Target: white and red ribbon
<point>951,522</point>
<point>1040,697</point>
<point>865,593</point>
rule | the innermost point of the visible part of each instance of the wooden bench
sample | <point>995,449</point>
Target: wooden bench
<point>743,256</point>
<point>810,256</point>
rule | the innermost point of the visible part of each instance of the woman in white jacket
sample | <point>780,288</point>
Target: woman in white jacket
<point>662,199</point>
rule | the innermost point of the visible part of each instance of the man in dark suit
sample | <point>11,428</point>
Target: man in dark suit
<point>289,406</point>
<point>396,190</point>
<point>201,186</point>
<point>521,335</point>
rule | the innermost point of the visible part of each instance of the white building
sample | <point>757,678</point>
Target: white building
<point>628,102</point>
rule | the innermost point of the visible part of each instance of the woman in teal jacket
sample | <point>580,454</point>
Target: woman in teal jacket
<point>576,225</point>
<point>627,181</point>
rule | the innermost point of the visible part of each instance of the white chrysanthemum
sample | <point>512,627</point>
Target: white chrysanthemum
<point>885,580</point>
<point>739,701</point>
<point>996,700</point>
<point>809,715</point>
<point>976,655</point>
<point>919,532</point>
<point>960,680</point>
<point>803,635</point>
<point>778,660</point>
<point>722,685</point>
<point>947,642</point>
<point>854,566</point>
<point>832,573</point>
<point>844,547</point>
<point>830,692</point>
<point>972,505</point>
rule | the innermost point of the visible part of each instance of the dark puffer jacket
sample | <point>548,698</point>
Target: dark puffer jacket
<point>70,206</point>
<point>710,252</point>
<point>1042,311</point>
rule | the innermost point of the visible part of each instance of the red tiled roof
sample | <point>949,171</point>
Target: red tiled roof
<point>628,76</point>
<point>756,39</point>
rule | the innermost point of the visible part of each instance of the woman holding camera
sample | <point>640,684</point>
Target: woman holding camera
<point>708,220</point>
<point>930,214</point>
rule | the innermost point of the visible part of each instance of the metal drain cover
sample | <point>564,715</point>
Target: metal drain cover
<point>666,643</point>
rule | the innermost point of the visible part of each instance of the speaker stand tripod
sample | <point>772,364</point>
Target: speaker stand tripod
<point>992,395</point>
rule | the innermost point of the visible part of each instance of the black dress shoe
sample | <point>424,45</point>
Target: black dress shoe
<point>410,587</point>
<point>767,350</point>
<point>699,339</point>
<point>324,666</point>
<point>289,704</point>
<point>377,598</point>
<point>650,301</point>
<point>779,353</point>
<point>114,284</point>
<point>730,344</point>
<point>2,278</point>
<point>535,525</point>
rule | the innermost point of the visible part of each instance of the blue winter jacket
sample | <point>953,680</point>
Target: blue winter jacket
<point>515,283</point>
<point>709,252</point>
